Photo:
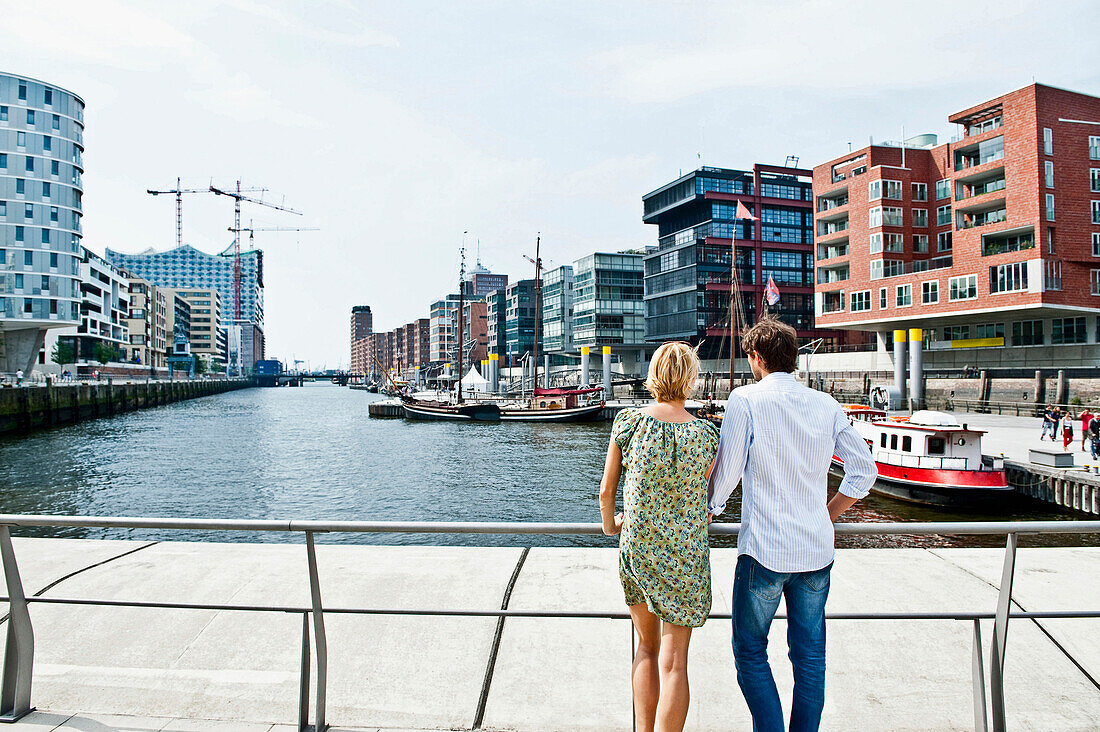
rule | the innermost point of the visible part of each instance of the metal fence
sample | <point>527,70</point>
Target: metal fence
<point>15,685</point>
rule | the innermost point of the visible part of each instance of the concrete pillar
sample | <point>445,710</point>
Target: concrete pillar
<point>607,389</point>
<point>494,372</point>
<point>899,363</point>
<point>584,366</point>
<point>983,386</point>
<point>643,367</point>
<point>1040,388</point>
<point>546,371</point>
<point>1062,397</point>
<point>21,349</point>
<point>916,369</point>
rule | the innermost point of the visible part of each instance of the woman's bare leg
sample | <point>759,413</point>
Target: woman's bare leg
<point>644,677</point>
<point>675,696</point>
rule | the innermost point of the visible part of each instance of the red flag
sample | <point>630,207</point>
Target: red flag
<point>772,293</point>
<point>743,212</point>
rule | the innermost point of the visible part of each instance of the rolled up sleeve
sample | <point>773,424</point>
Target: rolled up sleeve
<point>733,453</point>
<point>859,467</point>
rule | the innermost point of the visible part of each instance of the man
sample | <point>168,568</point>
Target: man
<point>1085,417</point>
<point>778,439</point>
<point>1094,436</point>
<point>1048,423</point>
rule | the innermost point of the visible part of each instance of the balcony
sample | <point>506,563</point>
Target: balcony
<point>832,250</point>
<point>833,302</point>
<point>983,152</point>
<point>834,200</point>
<point>829,228</point>
<point>973,188</point>
<point>1008,241</point>
<point>970,219</point>
<point>826,275</point>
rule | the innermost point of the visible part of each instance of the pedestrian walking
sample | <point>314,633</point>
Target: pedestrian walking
<point>1067,433</point>
<point>19,377</point>
<point>1094,436</point>
<point>1048,423</point>
<point>1085,417</point>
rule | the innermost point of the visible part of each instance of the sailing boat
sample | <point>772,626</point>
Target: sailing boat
<point>551,405</point>
<point>428,409</point>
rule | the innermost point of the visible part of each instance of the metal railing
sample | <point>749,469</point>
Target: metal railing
<point>15,684</point>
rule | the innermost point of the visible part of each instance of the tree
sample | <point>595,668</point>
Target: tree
<point>63,353</point>
<point>104,352</point>
<point>200,365</point>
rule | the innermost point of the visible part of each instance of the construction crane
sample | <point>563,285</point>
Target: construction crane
<point>178,191</point>
<point>238,197</point>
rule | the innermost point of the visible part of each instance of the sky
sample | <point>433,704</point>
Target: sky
<point>396,127</point>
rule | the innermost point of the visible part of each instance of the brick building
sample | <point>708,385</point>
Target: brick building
<point>989,244</point>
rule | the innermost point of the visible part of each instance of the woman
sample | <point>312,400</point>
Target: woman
<point>664,556</point>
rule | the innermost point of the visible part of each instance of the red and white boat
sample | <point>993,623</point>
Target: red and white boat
<point>928,457</point>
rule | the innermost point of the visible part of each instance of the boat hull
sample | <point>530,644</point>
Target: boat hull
<point>592,413</point>
<point>452,412</point>
<point>937,487</point>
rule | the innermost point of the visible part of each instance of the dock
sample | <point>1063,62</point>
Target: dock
<point>197,669</point>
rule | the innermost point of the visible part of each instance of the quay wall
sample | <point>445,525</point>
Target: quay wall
<point>1075,489</point>
<point>23,409</point>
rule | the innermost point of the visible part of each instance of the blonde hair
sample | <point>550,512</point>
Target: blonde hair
<point>672,372</point>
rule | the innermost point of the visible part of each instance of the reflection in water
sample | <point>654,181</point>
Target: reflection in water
<point>314,453</point>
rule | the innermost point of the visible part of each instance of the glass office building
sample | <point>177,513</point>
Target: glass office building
<point>41,165</point>
<point>608,306</point>
<point>557,310</point>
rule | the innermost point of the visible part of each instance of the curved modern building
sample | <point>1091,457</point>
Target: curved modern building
<point>41,165</point>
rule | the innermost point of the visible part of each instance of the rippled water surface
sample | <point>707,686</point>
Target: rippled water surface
<point>313,453</point>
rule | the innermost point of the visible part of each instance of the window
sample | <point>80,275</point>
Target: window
<point>1095,244</point>
<point>894,442</point>
<point>886,268</point>
<point>21,139</point>
<point>1067,330</point>
<point>874,216</point>
<point>907,443</point>
<point>886,242</point>
<point>833,302</point>
<point>53,214</point>
<point>47,143</point>
<point>1048,141</point>
<point>53,259</point>
<point>1095,279</point>
<point>45,236</point>
<point>884,189</point>
<point>28,256</point>
<point>1008,277</point>
<point>55,168</point>
<point>920,217</point>
<point>882,297</point>
<point>920,191</point>
<point>20,186</point>
<point>930,292</point>
<point>1050,207</point>
<point>56,124</point>
<point>28,211</point>
<point>19,232</point>
<point>30,118</point>
<point>3,160</point>
<point>943,215</point>
<point>962,288</point>
<point>19,281</point>
<point>1094,147</point>
<point>882,439</point>
<point>956,333</point>
<point>1052,275</point>
<point>1050,240</point>
<point>29,164</point>
<point>1096,212</point>
<point>991,330</point>
<point>943,241</point>
<point>46,190</point>
<point>1094,180</point>
<point>1027,333</point>
<point>3,212</point>
<point>22,91</point>
<point>47,96</point>
<point>3,114</point>
<point>861,301</point>
<point>943,189</point>
<point>920,243</point>
<point>904,296</point>
<point>1049,169</point>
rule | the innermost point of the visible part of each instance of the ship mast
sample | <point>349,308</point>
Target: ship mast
<point>538,310</point>
<point>461,307</point>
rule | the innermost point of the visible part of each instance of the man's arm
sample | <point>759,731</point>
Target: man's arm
<point>859,467</point>
<point>733,454</point>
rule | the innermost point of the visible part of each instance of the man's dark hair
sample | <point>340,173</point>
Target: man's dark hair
<point>775,342</point>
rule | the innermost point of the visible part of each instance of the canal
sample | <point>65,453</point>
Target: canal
<point>313,453</point>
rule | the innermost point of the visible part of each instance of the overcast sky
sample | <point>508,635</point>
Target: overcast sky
<point>396,126</point>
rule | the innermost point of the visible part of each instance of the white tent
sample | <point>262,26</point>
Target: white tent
<point>473,381</point>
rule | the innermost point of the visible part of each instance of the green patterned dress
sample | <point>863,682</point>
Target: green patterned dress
<point>664,556</point>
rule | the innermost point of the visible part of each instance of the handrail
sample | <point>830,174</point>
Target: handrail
<point>15,684</point>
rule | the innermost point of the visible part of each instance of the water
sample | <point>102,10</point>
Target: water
<point>313,453</point>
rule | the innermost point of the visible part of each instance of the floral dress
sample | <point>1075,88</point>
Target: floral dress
<point>664,555</point>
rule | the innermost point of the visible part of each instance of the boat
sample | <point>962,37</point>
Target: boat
<point>557,405</point>
<point>928,457</point>
<point>430,409</point>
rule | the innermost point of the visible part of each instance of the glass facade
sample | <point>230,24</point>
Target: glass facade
<point>519,320</point>
<point>557,310</point>
<point>41,169</point>
<point>687,276</point>
<point>608,303</point>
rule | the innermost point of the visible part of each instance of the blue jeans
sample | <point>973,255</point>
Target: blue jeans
<point>756,593</point>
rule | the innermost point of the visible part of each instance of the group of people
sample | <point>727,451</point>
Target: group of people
<point>1053,417</point>
<point>777,440</point>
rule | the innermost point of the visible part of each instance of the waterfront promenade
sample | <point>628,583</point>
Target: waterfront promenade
<point>223,670</point>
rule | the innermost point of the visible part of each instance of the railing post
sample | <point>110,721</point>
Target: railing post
<point>303,678</point>
<point>15,688</point>
<point>977,673</point>
<point>1000,634</point>
<point>318,634</point>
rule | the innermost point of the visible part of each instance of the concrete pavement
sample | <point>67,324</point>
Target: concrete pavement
<point>240,669</point>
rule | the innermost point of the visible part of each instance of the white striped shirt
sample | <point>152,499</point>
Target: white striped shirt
<point>778,439</point>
